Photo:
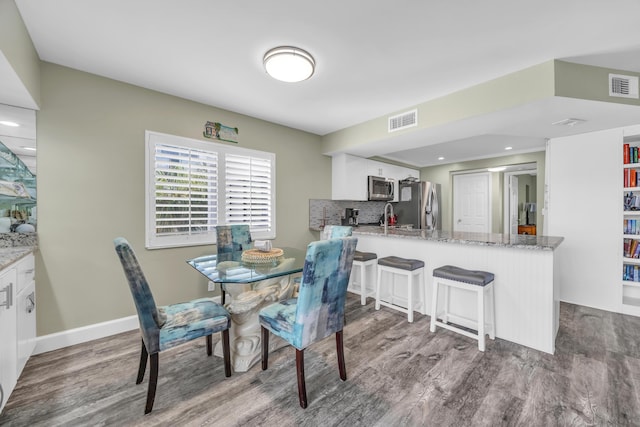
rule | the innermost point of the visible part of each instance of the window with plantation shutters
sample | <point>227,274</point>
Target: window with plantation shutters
<point>192,186</point>
<point>248,191</point>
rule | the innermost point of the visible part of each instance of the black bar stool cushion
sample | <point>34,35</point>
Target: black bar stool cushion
<point>364,256</point>
<point>472,277</point>
<point>401,263</point>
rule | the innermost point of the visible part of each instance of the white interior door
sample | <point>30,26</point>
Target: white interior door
<point>471,202</point>
<point>513,204</point>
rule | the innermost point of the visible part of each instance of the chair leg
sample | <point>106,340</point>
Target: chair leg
<point>226,352</point>
<point>302,388</point>
<point>265,348</point>
<point>410,297</point>
<point>223,295</point>
<point>434,306</point>
<point>153,382</point>
<point>143,363</point>
<point>340,350</point>
<point>377,306</point>
<point>209,345</point>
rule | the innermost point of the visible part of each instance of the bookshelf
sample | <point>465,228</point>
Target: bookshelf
<point>631,224</point>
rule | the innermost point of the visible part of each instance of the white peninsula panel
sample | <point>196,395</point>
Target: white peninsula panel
<point>526,294</point>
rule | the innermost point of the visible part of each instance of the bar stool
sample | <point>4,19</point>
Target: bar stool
<point>406,267</point>
<point>363,260</point>
<point>480,282</point>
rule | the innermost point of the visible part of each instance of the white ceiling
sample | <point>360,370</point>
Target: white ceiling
<point>373,57</point>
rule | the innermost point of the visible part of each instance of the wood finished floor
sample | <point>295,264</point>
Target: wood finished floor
<point>399,374</point>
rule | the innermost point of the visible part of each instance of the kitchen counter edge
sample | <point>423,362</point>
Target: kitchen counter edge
<point>15,253</point>
<point>516,241</point>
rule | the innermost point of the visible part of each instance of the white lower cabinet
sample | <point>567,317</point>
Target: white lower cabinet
<point>17,322</point>
<point>26,310</point>
<point>8,334</point>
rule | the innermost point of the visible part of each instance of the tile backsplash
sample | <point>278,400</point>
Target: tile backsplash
<point>333,212</point>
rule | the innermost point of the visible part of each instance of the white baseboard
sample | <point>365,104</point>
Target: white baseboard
<point>83,334</point>
<point>88,333</point>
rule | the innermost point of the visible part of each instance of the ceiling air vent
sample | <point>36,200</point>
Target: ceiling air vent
<point>403,121</point>
<point>623,86</point>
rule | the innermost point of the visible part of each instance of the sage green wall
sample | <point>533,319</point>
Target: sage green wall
<point>522,87</point>
<point>587,82</point>
<point>91,173</point>
<point>16,46</point>
<point>443,175</point>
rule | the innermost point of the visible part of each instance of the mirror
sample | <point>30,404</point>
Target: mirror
<point>17,169</point>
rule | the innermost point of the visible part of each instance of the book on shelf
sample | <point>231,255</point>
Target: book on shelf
<point>625,154</point>
<point>631,248</point>
<point>630,177</point>
<point>630,154</point>
<point>631,273</point>
<point>630,226</point>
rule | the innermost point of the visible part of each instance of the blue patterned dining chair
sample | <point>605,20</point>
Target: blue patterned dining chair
<point>167,326</point>
<point>335,231</point>
<point>318,311</point>
<point>328,232</point>
<point>232,238</point>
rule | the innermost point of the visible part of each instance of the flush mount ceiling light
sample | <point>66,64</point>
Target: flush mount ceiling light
<point>289,64</point>
<point>8,123</point>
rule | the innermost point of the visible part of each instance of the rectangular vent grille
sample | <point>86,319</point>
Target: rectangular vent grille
<point>403,121</point>
<point>623,86</point>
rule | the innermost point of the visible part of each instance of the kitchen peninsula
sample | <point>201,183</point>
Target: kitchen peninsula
<point>526,284</point>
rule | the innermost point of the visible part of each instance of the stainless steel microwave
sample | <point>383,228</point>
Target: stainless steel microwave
<point>380,188</point>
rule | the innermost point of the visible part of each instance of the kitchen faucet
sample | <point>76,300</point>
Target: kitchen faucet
<point>386,218</point>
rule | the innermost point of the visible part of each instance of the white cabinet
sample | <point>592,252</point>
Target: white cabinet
<point>8,333</point>
<point>26,310</point>
<point>17,322</point>
<point>349,176</point>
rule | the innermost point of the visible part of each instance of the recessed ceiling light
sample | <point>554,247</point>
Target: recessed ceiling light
<point>568,122</point>
<point>440,158</point>
<point>8,123</point>
<point>508,148</point>
<point>29,148</point>
<point>497,169</point>
<point>289,64</point>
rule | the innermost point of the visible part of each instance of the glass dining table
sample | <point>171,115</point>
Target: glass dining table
<point>252,280</point>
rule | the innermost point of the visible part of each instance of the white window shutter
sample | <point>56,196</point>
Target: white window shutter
<point>248,191</point>
<point>186,193</point>
<point>193,186</point>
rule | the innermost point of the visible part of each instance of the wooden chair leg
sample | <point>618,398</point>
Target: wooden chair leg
<point>340,350</point>
<point>226,352</point>
<point>209,345</point>
<point>302,388</point>
<point>153,382</point>
<point>265,348</point>
<point>143,363</point>
<point>223,295</point>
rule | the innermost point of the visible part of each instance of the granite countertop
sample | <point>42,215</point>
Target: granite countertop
<point>12,254</point>
<point>518,241</point>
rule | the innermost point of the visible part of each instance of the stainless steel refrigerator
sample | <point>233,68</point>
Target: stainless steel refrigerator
<point>419,204</point>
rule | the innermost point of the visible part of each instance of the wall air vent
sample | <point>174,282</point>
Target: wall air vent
<point>623,86</point>
<point>403,121</point>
